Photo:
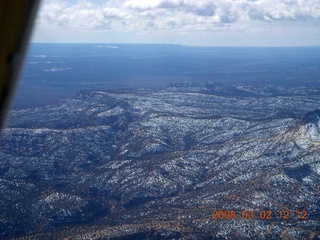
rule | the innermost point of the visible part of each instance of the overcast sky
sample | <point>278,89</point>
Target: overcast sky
<point>187,22</point>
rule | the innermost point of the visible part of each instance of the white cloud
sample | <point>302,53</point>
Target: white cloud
<point>182,16</point>
<point>82,14</point>
<point>200,7</point>
<point>293,10</point>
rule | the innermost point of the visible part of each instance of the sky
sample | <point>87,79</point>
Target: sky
<point>186,22</point>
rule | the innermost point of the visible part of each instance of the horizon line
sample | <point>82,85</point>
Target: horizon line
<point>178,44</point>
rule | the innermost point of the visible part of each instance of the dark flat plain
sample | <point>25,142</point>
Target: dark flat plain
<point>54,72</point>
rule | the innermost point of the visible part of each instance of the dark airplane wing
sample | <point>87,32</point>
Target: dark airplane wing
<point>16,21</point>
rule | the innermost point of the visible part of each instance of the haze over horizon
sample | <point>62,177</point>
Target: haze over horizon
<point>186,22</point>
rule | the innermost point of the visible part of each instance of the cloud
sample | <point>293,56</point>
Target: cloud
<point>287,10</point>
<point>235,9</point>
<point>82,14</point>
<point>200,7</point>
<point>156,19</point>
<point>139,14</point>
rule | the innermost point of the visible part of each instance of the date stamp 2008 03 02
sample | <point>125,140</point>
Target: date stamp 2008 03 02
<point>262,214</point>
